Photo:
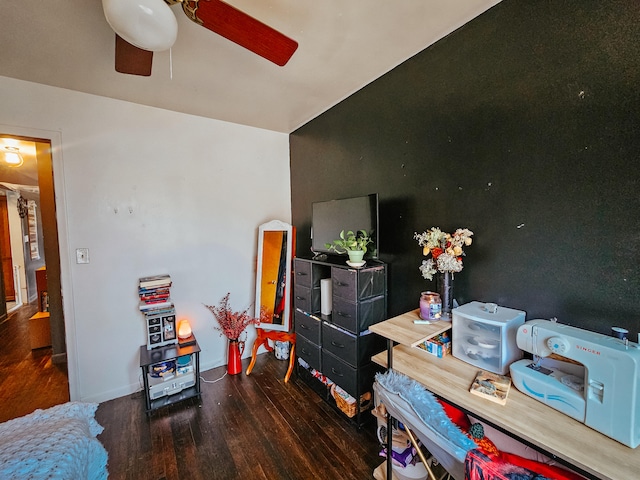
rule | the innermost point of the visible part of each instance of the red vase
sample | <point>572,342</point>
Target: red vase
<point>234,358</point>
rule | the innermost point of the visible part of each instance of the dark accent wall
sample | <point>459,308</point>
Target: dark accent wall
<point>523,126</point>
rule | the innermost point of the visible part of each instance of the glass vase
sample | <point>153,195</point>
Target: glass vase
<point>444,282</point>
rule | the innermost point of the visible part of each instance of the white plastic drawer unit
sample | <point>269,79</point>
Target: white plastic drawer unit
<point>485,339</point>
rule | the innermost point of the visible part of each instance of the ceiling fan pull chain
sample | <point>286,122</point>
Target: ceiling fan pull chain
<point>171,64</point>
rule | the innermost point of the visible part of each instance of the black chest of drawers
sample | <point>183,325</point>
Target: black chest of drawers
<point>339,346</point>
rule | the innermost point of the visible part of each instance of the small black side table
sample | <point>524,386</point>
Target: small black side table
<point>163,354</point>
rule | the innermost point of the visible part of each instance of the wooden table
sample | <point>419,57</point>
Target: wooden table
<point>523,417</point>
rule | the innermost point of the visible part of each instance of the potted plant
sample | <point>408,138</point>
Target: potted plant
<point>353,244</point>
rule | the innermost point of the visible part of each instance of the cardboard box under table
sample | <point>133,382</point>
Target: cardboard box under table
<point>40,330</point>
<point>439,345</point>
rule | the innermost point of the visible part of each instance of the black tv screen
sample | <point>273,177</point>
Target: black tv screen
<point>329,218</point>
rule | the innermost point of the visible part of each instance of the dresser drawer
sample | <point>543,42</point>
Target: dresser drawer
<point>307,326</point>
<point>348,378</point>
<point>309,352</point>
<point>345,283</point>
<point>302,272</point>
<point>352,349</point>
<point>355,285</point>
<point>309,274</point>
<point>340,342</point>
<point>357,317</point>
<point>306,299</point>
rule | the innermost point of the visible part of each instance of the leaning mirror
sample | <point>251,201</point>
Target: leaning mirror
<point>275,240</point>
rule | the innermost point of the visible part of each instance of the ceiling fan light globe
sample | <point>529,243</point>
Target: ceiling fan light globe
<point>147,24</point>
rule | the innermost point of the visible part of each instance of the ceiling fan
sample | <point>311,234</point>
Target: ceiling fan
<point>145,26</point>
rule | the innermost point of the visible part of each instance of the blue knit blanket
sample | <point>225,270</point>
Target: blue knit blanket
<point>58,443</point>
<point>427,408</point>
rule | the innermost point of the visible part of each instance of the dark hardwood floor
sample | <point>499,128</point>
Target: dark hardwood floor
<point>244,427</point>
<point>28,378</point>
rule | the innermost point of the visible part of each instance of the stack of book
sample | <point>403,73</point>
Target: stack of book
<point>155,293</point>
<point>158,309</point>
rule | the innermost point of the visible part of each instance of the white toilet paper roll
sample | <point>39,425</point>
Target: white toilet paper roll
<point>325,296</point>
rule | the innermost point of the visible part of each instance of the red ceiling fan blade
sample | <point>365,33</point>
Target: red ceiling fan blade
<point>237,26</point>
<point>131,59</point>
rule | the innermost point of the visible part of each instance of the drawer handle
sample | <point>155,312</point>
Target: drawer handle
<point>340,284</point>
<point>336,344</point>
<point>304,350</point>
<point>298,297</point>
<point>301,274</point>
<point>335,372</point>
<point>304,327</point>
<point>346,315</point>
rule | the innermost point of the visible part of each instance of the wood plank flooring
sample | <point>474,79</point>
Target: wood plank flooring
<point>244,427</point>
<point>28,378</point>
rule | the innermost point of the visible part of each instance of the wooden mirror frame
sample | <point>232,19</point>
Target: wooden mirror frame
<point>275,241</point>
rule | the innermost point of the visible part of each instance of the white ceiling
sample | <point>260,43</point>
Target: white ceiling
<point>343,46</point>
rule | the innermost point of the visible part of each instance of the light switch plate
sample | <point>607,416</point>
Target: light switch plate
<point>82,255</point>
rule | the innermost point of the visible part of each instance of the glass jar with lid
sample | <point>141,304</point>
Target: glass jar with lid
<point>430,306</point>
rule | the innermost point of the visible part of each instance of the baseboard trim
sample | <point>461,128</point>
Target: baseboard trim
<point>59,358</point>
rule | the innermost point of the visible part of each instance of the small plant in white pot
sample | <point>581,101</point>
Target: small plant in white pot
<point>353,243</point>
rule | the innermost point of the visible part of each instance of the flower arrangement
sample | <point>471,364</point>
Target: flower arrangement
<point>231,323</point>
<point>446,250</point>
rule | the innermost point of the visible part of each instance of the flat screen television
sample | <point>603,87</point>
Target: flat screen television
<point>329,218</point>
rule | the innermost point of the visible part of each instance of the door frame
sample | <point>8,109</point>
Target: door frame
<point>5,242</point>
<point>55,139</point>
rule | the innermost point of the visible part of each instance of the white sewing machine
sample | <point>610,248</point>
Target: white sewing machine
<point>602,391</point>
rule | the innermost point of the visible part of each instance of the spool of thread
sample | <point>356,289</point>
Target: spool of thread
<point>619,332</point>
<point>326,301</point>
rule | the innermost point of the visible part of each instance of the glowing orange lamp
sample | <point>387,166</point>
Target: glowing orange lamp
<point>185,335</point>
<point>184,330</point>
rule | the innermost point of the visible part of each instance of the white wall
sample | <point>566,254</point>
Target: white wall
<point>148,191</point>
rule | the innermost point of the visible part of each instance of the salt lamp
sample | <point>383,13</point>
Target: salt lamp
<point>184,330</point>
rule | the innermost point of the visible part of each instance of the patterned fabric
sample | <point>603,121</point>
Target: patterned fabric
<point>55,444</point>
<point>479,466</point>
<point>476,433</point>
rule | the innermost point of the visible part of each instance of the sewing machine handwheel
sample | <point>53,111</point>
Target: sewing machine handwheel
<point>558,345</point>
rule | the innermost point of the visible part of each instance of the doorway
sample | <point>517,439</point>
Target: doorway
<point>29,243</point>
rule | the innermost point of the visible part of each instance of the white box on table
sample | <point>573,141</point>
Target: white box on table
<point>484,339</point>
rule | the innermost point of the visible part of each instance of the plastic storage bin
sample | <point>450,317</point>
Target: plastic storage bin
<point>484,339</point>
